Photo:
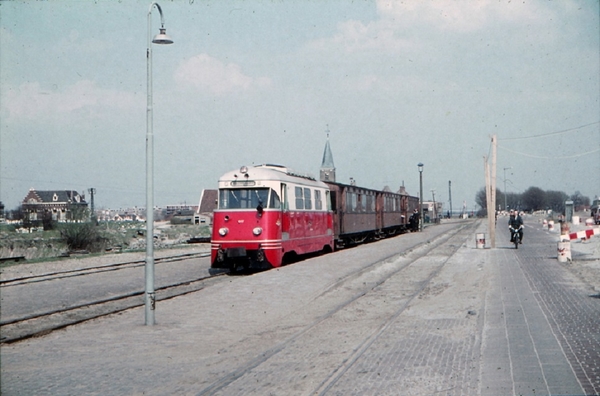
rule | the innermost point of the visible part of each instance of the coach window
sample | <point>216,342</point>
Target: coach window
<point>307,199</point>
<point>299,198</point>
<point>350,197</point>
<point>318,202</point>
<point>370,203</point>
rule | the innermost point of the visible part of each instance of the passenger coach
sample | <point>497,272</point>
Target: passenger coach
<point>266,213</point>
<point>362,214</point>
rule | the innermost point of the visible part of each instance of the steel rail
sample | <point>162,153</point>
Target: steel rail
<point>93,270</point>
<point>44,323</point>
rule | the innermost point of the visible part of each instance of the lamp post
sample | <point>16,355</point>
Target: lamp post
<point>161,38</point>
<point>434,207</point>
<point>505,204</point>
<point>420,166</point>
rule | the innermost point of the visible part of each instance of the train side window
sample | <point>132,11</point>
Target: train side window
<point>318,201</point>
<point>275,202</point>
<point>284,197</point>
<point>307,199</point>
<point>299,198</point>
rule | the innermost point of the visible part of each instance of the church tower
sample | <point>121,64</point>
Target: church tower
<point>327,173</point>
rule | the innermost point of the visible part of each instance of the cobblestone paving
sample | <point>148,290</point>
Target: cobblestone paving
<point>541,334</point>
<point>433,352</point>
<point>573,314</point>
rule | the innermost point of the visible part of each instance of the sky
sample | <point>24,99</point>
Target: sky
<point>396,83</point>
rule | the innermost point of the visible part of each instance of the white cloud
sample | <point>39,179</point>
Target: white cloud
<point>460,16</point>
<point>31,101</point>
<point>207,73</point>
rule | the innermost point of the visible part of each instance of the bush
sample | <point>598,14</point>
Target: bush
<point>83,236</point>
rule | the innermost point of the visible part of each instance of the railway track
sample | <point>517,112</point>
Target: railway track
<point>33,325</point>
<point>96,269</point>
<point>411,274</point>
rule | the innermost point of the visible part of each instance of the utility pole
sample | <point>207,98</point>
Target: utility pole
<point>490,188</point>
<point>493,176</point>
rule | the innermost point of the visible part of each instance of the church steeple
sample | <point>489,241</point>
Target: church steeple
<point>327,167</point>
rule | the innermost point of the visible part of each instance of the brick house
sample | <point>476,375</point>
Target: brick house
<point>61,205</point>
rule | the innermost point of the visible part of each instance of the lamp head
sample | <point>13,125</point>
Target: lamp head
<point>420,165</point>
<point>162,38</point>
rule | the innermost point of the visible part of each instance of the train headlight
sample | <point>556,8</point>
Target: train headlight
<point>257,231</point>
<point>223,231</point>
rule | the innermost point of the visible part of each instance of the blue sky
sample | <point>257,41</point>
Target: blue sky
<point>396,83</point>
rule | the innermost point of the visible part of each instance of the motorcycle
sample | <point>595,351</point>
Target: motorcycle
<point>515,235</point>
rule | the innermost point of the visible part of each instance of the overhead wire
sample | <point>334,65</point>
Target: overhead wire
<point>547,135</point>
<point>552,157</point>
<point>551,133</point>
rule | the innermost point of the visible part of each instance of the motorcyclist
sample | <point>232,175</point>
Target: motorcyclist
<point>515,222</point>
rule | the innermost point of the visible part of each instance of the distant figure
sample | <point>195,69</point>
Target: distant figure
<point>413,221</point>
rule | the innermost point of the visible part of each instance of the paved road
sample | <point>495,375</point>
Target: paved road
<point>422,314</point>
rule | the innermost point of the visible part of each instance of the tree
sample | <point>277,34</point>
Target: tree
<point>555,200</point>
<point>534,198</point>
<point>579,201</point>
<point>513,201</point>
<point>481,198</point>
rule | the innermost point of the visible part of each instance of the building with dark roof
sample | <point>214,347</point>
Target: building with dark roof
<point>206,206</point>
<point>58,205</point>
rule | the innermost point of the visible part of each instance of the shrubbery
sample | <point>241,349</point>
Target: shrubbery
<point>83,236</point>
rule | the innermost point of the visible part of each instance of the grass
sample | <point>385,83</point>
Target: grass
<point>107,236</point>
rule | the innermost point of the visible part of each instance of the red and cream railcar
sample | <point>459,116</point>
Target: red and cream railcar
<point>266,212</point>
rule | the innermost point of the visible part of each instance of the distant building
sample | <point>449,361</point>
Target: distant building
<point>432,210</point>
<point>58,205</point>
<point>206,206</point>
<point>327,172</point>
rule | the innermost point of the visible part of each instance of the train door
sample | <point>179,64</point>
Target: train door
<point>379,208</point>
<point>285,213</point>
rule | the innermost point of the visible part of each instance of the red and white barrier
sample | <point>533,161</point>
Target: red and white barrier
<point>586,234</point>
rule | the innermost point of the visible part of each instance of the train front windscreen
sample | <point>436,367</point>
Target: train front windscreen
<point>248,198</point>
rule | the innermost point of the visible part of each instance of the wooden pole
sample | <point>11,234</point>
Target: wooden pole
<point>493,194</point>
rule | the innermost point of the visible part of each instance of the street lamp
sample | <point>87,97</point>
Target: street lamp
<point>161,38</point>
<point>505,204</point>
<point>434,208</point>
<point>420,166</point>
